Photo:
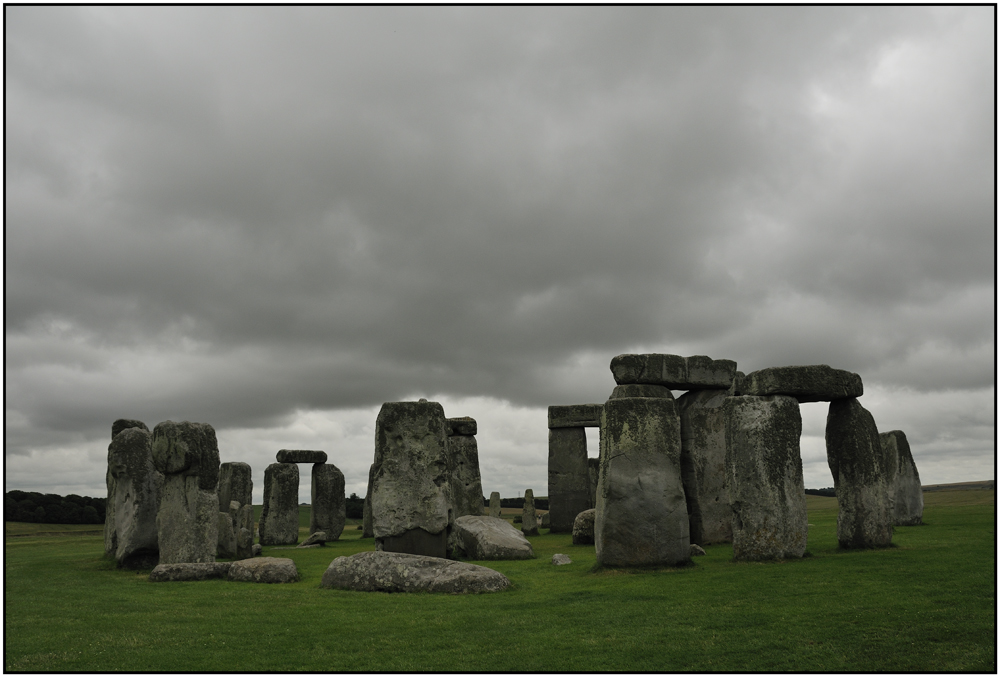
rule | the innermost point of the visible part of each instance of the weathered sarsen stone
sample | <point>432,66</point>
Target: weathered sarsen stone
<point>264,570</point>
<point>401,572</point>
<point>583,527</point>
<point>641,517</point>
<point>366,516</point>
<point>187,521</point>
<point>860,478</point>
<point>466,482</point>
<point>764,477</point>
<point>136,499</point>
<point>703,465</point>
<point>673,371</point>
<point>529,523</point>
<point>487,538</point>
<point>575,416</point>
<point>813,383</point>
<point>906,491</point>
<point>226,548</point>
<point>279,516</point>
<point>235,484</point>
<point>495,504</point>
<point>329,507</point>
<point>243,524</point>
<point>189,571</point>
<point>569,477</point>
<point>110,533</point>
<point>300,456</point>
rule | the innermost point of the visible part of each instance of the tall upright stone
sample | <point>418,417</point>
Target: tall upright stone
<point>412,502</point>
<point>187,521</point>
<point>466,483</point>
<point>703,465</point>
<point>243,523</point>
<point>136,500</point>
<point>764,477</point>
<point>594,466</point>
<point>110,530</point>
<point>906,490</point>
<point>529,522</point>
<point>235,484</point>
<point>366,517</point>
<point>641,516</point>
<point>569,477</point>
<point>495,504</point>
<point>860,476</point>
<point>226,548</point>
<point>329,507</point>
<point>279,516</point>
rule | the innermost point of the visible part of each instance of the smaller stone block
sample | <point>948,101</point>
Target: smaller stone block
<point>463,425</point>
<point>640,390</point>
<point>697,550</point>
<point>812,383</point>
<point>189,571</point>
<point>301,456</point>
<point>491,538</point>
<point>401,572</point>
<point>697,372</point>
<point>264,570</point>
<point>559,559</point>
<point>583,528</point>
<point>495,504</point>
<point>256,549</point>
<point>318,538</point>
<point>227,537</point>
<point>529,523</point>
<point>575,416</point>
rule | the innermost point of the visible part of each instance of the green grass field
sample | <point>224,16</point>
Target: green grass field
<point>926,605</point>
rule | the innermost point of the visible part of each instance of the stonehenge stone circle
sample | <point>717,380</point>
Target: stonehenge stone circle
<point>673,371</point>
<point>227,537</point>
<point>279,516</point>
<point>905,489</point>
<point>187,522</point>
<point>110,533</point>
<point>703,465</point>
<point>529,523</point>
<point>583,527</point>
<point>135,499</point>
<point>300,456</point>
<point>641,516</point>
<point>329,507</point>
<point>235,484</point>
<point>813,383</point>
<point>488,538</point>
<point>764,477</point>
<point>412,504</point>
<point>860,478</point>
<point>569,477</point>
<point>382,571</point>
<point>466,482</point>
<point>495,504</point>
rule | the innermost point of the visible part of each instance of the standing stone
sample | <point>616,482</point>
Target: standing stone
<point>594,466</point>
<point>227,537</point>
<point>187,522</point>
<point>235,484</point>
<point>764,477</point>
<point>906,491</point>
<point>279,517</point>
<point>641,517</point>
<point>857,461</point>
<point>495,504</point>
<point>110,530</point>
<point>366,517</point>
<point>329,507</point>
<point>136,500</point>
<point>466,483</point>
<point>411,494</point>
<point>703,465</point>
<point>243,523</point>
<point>529,523</point>
<point>569,477</point>
<point>583,527</point>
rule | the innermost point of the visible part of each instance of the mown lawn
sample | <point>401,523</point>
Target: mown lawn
<point>926,605</point>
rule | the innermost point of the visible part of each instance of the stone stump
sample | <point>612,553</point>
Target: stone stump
<point>466,483</point>
<point>860,478</point>
<point>583,527</point>
<point>329,507</point>
<point>110,530</point>
<point>641,517</point>
<point>495,504</point>
<point>703,465</point>
<point>529,523</point>
<point>279,517</point>
<point>235,484</point>
<point>764,477</point>
<point>366,520</point>
<point>226,548</point>
<point>569,477</point>
<point>137,486</point>
<point>187,521</point>
<point>906,490</point>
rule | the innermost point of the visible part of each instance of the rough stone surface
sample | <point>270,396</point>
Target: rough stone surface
<point>256,550</point>
<point>673,371</point>
<point>583,527</point>
<point>462,425</point>
<point>764,477</point>
<point>697,550</point>
<point>495,504</point>
<point>575,416</point>
<point>489,538</point>
<point>559,559</point>
<point>279,516</point>
<point>860,476</point>
<point>529,522</point>
<point>300,456</point>
<point>328,512</point>
<point>906,492</point>
<point>640,390</point>
<point>137,486</point>
<point>466,483</point>
<point>243,523</point>
<point>544,522</point>
<point>264,570</point>
<point>569,477</point>
<point>641,517</point>
<point>126,423</point>
<point>412,484</point>
<point>187,521</point>
<point>316,538</point>
<point>227,537</point>
<point>703,465</point>
<point>813,383</point>
<point>189,571</point>
<point>594,466</point>
<point>401,572</point>
<point>110,532</point>
<point>366,521</point>
<point>235,484</point>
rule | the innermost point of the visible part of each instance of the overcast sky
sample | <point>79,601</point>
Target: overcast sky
<point>275,219</point>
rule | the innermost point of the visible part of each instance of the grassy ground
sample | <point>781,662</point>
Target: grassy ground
<point>926,605</point>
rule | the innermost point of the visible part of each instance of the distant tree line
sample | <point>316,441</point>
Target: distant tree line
<point>822,492</point>
<point>31,506</point>
<point>355,506</point>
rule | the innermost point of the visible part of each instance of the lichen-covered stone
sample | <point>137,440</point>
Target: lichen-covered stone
<point>673,371</point>
<point>329,506</point>
<point>256,550</point>
<point>495,504</point>
<point>235,484</point>
<point>703,465</point>
<point>279,516</point>
<point>315,538</point>
<point>490,538</point>
<point>243,523</point>
<point>812,383</point>
<point>569,477</point>
<point>462,425</point>
<point>188,449</point>
<point>860,478</point>
<point>641,517</point>
<point>583,527</point>
<point>764,477</point>
<point>366,519</point>
<point>300,456</point>
<point>466,482</point>
<point>594,466</point>
<point>560,559</point>
<point>110,530</point>
<point>227,537</point>
<point>640,390</point>
<point>529,522</point>
<point>401,572</point>
<point>137,486</point>
<point>575,416</point>
<point>189,571</point>
<point>264,570</point>
<point>906,491</point>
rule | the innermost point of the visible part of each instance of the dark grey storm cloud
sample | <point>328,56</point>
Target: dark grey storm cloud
<point>244,214</point>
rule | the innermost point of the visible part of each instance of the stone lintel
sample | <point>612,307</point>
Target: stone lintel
<point>697,372</point>
<point>812,383</point>
<point>301,456</point>
<point>463,425</point>
<point>575,416</point>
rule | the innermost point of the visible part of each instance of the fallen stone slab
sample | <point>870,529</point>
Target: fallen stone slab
<point>317,538</point>
<point>300,456</point>
<point>697,550</point>
<point>575,416</point>
<point>189,571</point>
<point>559,559</point>
<point>583,528</point>
<point>381,571</point>
<point>697,372</point>
<point>264,570</point>
<point>491,538</point>
<point>812,383</point>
